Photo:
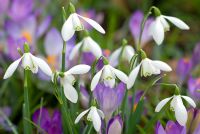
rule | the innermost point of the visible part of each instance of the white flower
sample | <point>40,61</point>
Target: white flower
<point>160,25</point>
<point>148,67</point>
<point>127,54</point>
<point>88,45</point>
<point>108,75</point>
<point>29,62</point>
<point>73,23</point>
<point>68,80</point>
<point>94,115</point>
<point>177,106</point>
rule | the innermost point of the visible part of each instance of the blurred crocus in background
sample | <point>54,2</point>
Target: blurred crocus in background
<point>193,124</point>
<point>134,25</point>
<point>115,125</point>
<point>50,122</point>
<point>108,98</point>
<point>171,128</point>
<point>196,55</point>
<point>194,87</point>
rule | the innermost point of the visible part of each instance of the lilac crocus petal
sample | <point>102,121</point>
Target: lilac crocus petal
<point>20,9</point>
<point>51,124</point>
<point>4,5</point>
<point>88,58</point>
<point>84,97</point>
<point>53,42</point>
<point>183,68</point>
<point>42,28</point>
<point>196,55</point>
<point>175,128</point>
<point>134,25</point>
<point>193,87</point>
<point>115,125</point>
<point>159,129</point>
<point>109,98</point>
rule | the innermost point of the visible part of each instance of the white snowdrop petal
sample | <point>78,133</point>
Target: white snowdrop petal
<point>122,76</point>
<point>162,65</point>
<point>101,113</point>
<point>94,47</point>
<point>80,116</point>
<point>67,29</point>
<point>114,57</point>
<point>76,22</point>
<point>11,69</point>
<point>75,51</point>
<point>180,111</point>
<point>128,52</point>
<point>42,65</point>
<point>157,31</point>
<point>70,92</point>
<point>189,100</point>
<point>94,24</point>
<point>79,69</point>
<point>132,77</point>
<point>95,80</point>
<point>161,104</point>
<point>177,22</point>
<point>96,120</point>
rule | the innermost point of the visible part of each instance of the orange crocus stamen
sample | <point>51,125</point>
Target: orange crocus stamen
<point>27,36</point>
<point>51,60</point>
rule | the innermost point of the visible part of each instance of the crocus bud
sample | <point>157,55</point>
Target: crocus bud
<point>115,125</point>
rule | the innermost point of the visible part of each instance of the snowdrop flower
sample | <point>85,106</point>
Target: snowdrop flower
<point>148,67</point>
<point>177,106</point>
<point>73,23</point>
<point>68,80</point>
<point>29,62</point>
<point>86,45</point>
<point>108,75</point>
<point>126,52</point>
<point>94,115</point>
<point>160,25</point>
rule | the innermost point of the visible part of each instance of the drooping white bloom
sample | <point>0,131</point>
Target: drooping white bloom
<point>127,54</point>
<point>148,67</point>
<point>177,106</point>
<point>87,45</point>
<point>29,62</point>
<point>160,25</point>
<point>108,75</point>
<point>73,23</point>
<point>68,80</point>
<point>94,115</point>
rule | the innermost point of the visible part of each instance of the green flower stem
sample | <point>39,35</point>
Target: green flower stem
<point>26,106</point>
<point>143,24</point>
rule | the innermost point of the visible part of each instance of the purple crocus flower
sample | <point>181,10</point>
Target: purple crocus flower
<point>134,25</point>
<point>109,98</point>
<point>4,5</point>
<point>7,111</point>
<point>196,55</point>
<point>193,87</point>
<point>20,9</point>
<point>183,68</point>
<point>84,97</point>
<point>171,128</point>
<point>115,125</point>
<point>52,124</point>
<point>193,123</point>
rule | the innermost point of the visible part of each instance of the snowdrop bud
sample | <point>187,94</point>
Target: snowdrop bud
<point>157,11</point>
<point>20,51</point>
<point>124,42</point>
<point>72,8</point>
<point>64,13</point>
<point>143,54</point>
<point>26,47</point>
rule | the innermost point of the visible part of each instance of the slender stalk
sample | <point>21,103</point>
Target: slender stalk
<point>26,106</point>
<point>142,27</point>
